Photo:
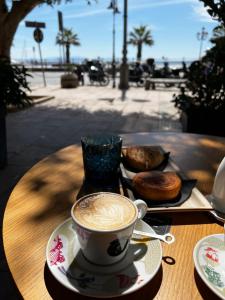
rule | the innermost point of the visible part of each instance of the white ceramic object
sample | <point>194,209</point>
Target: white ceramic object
<point>218,192</point>
<point>105,247</point>
<point>209,259</point>
<point>67,264</point>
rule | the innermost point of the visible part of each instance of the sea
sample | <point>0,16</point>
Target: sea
<point>159,63</point>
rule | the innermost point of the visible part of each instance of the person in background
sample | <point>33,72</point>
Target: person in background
<point>138,70</point>
<point>150,62</point>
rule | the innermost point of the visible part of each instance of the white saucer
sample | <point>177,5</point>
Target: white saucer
<point>218,215</point>
<point>209,259</point>
<point>70,268</point>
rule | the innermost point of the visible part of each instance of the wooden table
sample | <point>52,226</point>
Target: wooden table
<point>43,197</point>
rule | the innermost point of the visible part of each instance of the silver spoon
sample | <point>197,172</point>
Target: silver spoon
<point>167,238</point>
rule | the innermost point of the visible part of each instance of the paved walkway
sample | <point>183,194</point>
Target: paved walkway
<point>44,128</point>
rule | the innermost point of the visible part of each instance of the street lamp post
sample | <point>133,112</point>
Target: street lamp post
<point>201,36</point>
<point>124,66</point>
<point>114,7</point>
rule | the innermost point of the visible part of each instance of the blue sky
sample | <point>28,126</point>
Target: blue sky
<point>174,25</point>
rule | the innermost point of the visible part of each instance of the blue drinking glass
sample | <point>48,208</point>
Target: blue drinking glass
<point>101,157</point>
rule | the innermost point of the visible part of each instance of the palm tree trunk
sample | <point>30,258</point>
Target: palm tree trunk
<point>3,143</point>
<point>6,38</point>
<point>9,21</point>
<point>67,53</point>
<point>139,51</point>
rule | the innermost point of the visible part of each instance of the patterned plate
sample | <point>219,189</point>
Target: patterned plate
<point>70,268</point>
<point>209,259</point>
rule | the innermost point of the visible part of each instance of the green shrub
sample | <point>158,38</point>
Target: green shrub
<point>205,87</point>
<point>13,85</point>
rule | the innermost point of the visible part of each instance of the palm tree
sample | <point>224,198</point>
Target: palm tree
<point>67,38</point>
<point>139,36</point>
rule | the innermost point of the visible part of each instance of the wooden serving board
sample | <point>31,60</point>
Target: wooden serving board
<point>196,202</point>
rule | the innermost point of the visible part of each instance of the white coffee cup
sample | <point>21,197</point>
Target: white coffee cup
<point>218,192</point>
<point>104,223</point>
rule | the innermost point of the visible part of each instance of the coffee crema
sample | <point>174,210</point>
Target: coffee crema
<point>104,212</point>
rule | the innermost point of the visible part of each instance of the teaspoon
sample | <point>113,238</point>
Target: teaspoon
<point>167,238</point>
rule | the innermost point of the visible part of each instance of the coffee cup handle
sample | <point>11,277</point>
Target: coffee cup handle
<point>142,208</point>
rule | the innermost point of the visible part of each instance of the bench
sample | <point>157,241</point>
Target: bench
<point>151,83</point>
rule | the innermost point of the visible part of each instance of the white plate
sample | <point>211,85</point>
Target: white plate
<point>209,259</point>
<point>196,202</point>
<point>72,270</point>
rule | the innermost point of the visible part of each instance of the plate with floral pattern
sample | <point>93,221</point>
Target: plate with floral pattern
<point>71,269</point>
<point>209,259</point>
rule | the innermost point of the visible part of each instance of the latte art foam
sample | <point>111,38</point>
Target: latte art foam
<point>105,212</point>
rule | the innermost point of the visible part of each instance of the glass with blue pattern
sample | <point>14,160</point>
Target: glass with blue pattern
<point>101,157</point>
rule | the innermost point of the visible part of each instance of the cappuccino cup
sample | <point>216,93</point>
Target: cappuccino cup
<point>104,223</point>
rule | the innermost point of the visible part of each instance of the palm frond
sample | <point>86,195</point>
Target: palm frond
<point>67,38</point>
<point>140,35</point>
